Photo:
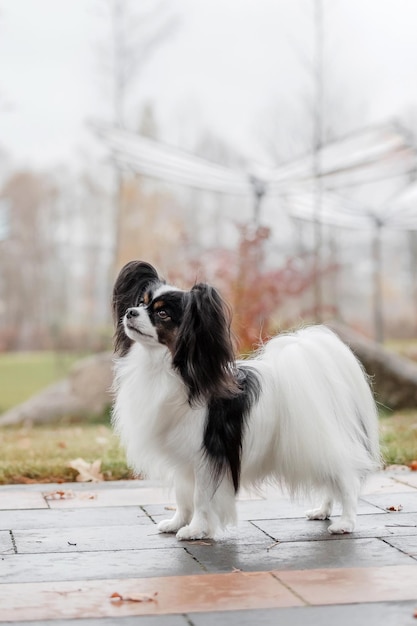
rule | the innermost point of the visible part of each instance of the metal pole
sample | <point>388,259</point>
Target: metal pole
<point>259,190</point>
<point>378,299</point>
<point>317,146</point>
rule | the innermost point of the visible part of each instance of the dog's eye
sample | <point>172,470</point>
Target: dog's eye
<point>162,314</point>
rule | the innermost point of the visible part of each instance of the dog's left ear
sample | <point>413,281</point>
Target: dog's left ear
<point>204,354</point>
<point>130,284</point>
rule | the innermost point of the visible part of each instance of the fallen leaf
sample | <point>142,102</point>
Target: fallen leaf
<point>140,597</point>
<point>397,468</point>
<point>394,507</point>
<point>61,444</point>
<point>24,443</point>
<point>59,495</point>
<point>87,472</point>
<point>87,496</point>
<point>170,507</point>
<point>413,466</point>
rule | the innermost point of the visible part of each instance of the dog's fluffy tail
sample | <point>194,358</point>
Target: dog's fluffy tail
<point>327,414</point>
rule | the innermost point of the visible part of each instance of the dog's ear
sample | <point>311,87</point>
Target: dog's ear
<point>204,354</point>
<point>128,289</point>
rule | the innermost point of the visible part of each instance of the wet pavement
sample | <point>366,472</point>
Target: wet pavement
<point>92,553</point>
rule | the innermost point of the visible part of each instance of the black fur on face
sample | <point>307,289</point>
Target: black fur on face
<point>165,311</point>
<point>194,325</point>
<point>128,290</point>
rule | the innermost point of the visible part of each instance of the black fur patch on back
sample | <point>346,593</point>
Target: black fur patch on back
<point>225,425</point>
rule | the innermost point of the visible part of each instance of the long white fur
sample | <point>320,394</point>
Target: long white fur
<point>314,428</point>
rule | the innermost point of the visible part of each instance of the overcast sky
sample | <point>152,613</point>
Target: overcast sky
<point>232,66</point>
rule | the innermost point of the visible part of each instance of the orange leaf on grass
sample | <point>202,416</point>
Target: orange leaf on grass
<point>87,472</point>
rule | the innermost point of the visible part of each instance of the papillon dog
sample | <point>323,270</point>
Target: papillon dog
<point>299,413</point>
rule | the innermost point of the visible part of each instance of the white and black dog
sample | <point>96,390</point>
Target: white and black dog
<point>300,412</point>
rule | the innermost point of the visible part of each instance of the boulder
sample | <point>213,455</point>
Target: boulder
<point>393,377</point>
<point>86,392</point>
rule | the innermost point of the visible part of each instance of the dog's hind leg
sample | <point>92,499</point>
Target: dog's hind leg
<point>348,491</point>
<point>322,512</point>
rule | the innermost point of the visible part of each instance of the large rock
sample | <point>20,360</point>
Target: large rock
<point>86,392</point>
<point>394,378</point>
<point>91,380</point>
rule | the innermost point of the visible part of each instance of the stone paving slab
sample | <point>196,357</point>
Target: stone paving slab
<point>299,555</point>
<point>246,577</point>
<point>162,596</point>
<point>91,539</point>
<point>354,585</point>
<point>380,525</point>
<point>6,543</point>
<point>80,486</point>
<point>408,478</point>
<point>279,508</point>
<point>16,499</point>
<point>211,592</point>
<point>146,620</point>
<point>111,497</point>
<point>406,500</point>
<point>66,518</point>
<point>25,568</point>
<point>383,613</point>
<point>408,545</point>
<point>401,481</point>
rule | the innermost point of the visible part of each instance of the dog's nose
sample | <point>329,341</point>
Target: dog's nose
<point>132,313</point>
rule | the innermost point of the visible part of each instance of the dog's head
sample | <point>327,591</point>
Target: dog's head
<point>193,325</point>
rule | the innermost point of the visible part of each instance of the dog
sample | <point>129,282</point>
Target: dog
<point>299,413</point>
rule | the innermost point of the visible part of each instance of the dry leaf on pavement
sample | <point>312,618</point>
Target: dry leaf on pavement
<point>59,495</point>
<point>137,597</point>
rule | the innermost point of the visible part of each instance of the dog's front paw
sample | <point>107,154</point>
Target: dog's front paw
<point>191,533</point>
<point>341,527</point>
<point>169,526</point>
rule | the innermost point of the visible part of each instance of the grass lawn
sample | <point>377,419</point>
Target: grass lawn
<point>398,435</point>
<point>24,373</point>
<point>42,453</point>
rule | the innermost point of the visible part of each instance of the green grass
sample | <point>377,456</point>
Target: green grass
<point>23,374</point>
<point>42,453</point>
<point>398,435</point>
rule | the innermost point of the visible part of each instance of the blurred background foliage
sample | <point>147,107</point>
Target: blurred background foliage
<point>340,246</point>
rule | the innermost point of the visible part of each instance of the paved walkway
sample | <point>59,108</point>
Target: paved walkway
<point>92,553</point>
